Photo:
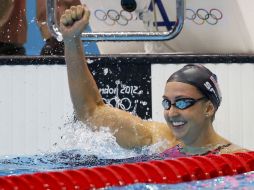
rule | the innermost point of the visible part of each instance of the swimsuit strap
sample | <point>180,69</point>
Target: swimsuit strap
<point>177,151</point>
<point>217,150</point>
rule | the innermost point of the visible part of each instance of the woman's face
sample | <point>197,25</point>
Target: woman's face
<point>186,124</point>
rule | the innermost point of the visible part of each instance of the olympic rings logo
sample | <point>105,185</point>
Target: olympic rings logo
<point>112,16</point>
<point>200,16</point>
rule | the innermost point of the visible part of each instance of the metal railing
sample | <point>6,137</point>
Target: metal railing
<point>120,36</point>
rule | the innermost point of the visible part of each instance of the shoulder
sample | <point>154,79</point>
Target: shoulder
<point>161,132</point>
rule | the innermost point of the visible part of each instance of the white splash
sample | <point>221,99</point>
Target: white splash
<point>100,143</point>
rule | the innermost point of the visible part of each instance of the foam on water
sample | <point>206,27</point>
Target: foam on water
<point>101,143</point>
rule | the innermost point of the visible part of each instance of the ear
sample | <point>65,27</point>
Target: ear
<point>209,109</point>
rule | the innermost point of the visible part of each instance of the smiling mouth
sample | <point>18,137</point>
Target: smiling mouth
<point>178,124</point>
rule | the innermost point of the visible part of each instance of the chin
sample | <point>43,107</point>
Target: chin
<point>180,134</point>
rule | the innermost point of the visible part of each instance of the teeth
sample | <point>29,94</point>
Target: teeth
<point>178,123</point>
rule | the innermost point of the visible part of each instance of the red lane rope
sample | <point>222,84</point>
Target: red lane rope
<point>156,171</point>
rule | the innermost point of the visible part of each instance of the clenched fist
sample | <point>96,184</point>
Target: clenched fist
<point>74,21</point>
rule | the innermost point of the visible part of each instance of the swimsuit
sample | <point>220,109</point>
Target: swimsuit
<point>177,151</point>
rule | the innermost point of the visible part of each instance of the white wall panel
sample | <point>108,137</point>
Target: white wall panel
<point>34,103</point>
<point>234,119</point>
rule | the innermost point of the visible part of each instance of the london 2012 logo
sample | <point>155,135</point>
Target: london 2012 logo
<point>121,96</point>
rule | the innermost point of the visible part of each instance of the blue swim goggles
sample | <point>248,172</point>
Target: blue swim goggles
<point>181,104</point>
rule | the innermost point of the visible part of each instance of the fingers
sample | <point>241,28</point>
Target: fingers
<point>80,10</point>
<point>73,14</point>
<point>68,17</point>
<point>63,20</point>
<point>86,15</point>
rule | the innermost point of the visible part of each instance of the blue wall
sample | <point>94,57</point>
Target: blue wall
<point>35,41</point>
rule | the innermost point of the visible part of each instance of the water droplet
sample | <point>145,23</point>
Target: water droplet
<point>89,61</point>
<point>105,71</point>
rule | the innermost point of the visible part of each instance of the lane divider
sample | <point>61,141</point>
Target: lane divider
<point>156,171</point>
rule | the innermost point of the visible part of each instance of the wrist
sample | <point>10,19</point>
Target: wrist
<point>73,43</point>
<point>72,40</point>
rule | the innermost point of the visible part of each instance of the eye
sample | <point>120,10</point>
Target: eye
<point>184,103</point>
<point>181,104</point>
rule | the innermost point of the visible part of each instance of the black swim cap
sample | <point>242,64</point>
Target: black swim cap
<point>202,78</point>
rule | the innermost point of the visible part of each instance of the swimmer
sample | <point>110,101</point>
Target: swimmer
<point>190,100</point>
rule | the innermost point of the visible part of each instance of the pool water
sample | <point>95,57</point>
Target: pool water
<point>71,159</point>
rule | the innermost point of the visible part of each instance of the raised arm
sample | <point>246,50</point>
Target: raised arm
<point>130,131</point>
<point>84,92</point>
